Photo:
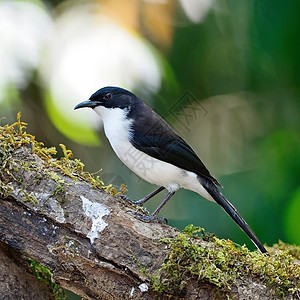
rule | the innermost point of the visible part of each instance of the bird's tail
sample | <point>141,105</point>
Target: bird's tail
<point>232,212</point>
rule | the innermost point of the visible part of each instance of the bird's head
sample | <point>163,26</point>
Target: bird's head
<point>109,97</point>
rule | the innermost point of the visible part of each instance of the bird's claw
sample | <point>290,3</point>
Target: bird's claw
<point>123,197</point>
<point>147,218</point>
<point>161,220</point>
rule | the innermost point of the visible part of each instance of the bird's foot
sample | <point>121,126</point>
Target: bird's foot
<point>139,203</point>
<point>123,197</point>
<point>148,218</point>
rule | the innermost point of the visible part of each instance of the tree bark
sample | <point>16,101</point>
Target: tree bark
<point>16,278</point>
<point>85,237</point>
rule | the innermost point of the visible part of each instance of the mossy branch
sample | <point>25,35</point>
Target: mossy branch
<point>66,220</point>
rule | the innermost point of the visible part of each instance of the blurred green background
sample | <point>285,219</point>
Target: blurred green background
<point>223,73</point>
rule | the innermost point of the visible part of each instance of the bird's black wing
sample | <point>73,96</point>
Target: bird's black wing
<point>152,135</point>
<point>173,150</point>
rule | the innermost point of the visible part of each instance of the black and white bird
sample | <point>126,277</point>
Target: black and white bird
<point>149,147</point>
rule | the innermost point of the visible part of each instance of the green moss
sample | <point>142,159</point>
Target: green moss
<point>293,250</point>
<point>29,198</point>
<point>45,276</point>
<point>222,263</point>
<point>12,137</point>
<point>60,194</point>
<point>54,176</point>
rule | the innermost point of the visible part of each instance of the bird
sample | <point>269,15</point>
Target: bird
<point>150,148</point>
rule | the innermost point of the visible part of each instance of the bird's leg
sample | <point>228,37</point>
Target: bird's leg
<point>155,213</point>
<point>146,198</point>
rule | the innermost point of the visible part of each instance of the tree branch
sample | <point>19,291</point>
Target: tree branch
<point>89,241</point>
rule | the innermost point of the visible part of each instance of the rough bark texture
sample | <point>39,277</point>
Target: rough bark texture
<point>16,280</point>
<point>86,238</point>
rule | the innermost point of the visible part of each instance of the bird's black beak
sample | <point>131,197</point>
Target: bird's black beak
<point>88,103</point>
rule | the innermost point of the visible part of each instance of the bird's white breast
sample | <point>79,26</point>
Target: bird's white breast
<point>117,129</point>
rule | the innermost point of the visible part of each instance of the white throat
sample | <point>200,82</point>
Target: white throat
<point>117,128</point>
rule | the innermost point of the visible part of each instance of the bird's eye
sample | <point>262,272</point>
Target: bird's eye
<point>107,96</point>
